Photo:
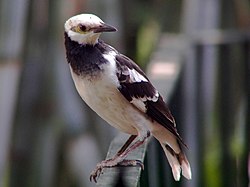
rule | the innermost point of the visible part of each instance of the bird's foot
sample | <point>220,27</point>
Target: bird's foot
<point>133,163</point>
<point>112,163</point>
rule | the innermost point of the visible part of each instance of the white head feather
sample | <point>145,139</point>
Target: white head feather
<point>92,24</point>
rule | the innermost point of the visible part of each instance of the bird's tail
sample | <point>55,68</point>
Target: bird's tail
<point>178,163</point>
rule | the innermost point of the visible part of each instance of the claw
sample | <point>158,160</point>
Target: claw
<point>131,163</point>
<point>140,164</point>
<point>94,175</point>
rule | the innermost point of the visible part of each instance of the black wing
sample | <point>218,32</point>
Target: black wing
<point>138,90</point>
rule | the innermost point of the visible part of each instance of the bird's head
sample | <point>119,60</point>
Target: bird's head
<point>86,28</point>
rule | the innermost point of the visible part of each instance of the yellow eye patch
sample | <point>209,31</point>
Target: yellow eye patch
<point>80,29</point>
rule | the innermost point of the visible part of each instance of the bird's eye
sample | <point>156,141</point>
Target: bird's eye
<point>82,27</point>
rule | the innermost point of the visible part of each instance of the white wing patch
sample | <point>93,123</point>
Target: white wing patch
<point>154,98</point>
<point>134,76</point>
<point>140,102</point>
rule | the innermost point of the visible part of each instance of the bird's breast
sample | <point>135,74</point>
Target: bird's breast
<point>102,96</point>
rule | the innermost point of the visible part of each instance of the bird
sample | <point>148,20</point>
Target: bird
<point>117,89</point>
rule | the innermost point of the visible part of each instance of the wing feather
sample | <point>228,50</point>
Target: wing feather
<point>138,90</point>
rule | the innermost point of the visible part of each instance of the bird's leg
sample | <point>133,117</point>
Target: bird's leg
<point>118,159</point>
<point>127,143</point>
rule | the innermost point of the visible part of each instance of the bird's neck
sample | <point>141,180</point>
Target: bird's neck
<point>92,40</point>
<point>85,60</point>
<point>84,39</point>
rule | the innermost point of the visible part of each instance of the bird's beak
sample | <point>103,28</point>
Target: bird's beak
<point>104,28</point>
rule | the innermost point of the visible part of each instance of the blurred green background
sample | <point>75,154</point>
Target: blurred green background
<point>49,137</point>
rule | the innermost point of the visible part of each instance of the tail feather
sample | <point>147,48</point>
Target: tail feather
<point>185,166</point>
<point>178,163</point>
